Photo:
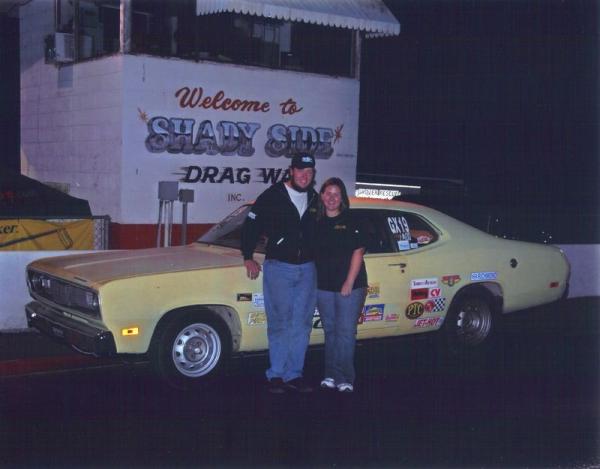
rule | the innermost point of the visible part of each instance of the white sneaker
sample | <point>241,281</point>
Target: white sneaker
<point>328,383</point>
<point>345,387</point>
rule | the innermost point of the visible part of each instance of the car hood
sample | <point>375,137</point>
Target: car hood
<point>102,267</point>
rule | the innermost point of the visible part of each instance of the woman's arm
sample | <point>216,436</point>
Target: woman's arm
<point>355,265</point>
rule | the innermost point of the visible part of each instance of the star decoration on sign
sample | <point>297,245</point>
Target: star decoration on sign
<point>338,133</point>
<point>143,115</point>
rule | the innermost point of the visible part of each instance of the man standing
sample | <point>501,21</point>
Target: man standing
<point>286,214</point>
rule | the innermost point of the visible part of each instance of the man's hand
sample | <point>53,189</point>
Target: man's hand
<point>252,269</point>
<point>347,288</point>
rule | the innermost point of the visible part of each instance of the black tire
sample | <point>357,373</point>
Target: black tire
<point>471,323</point>
<point>191,350</point>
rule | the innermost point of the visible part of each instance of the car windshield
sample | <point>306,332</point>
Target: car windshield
<point>229,230</point>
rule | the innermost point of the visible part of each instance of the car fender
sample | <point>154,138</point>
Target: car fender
<point>492,290</point>
<point>226,313</point>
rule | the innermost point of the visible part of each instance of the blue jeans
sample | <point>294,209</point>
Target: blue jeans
<point>290,293</point>
<point>339,316</point>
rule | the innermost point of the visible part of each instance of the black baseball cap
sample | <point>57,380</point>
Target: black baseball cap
<point>303,160</point>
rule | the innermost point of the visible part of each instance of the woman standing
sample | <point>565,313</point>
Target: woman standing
<point>341,283</point>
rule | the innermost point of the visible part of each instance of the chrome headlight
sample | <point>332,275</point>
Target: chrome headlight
<point>91,300</point>
<point>34,280</point>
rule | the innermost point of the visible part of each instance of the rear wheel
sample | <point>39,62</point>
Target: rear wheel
<point>192,349</point>
<point>470,323</point>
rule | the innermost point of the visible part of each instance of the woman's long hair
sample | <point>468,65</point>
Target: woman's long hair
<point>342,187</point>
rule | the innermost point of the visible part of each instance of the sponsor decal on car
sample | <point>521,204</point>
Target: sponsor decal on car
<point>317,321</point>
<point>435,292</point>
<point>435,305</point>
<point>414,310</point>
<point>424,283</point>
<point>373,312</point>
<point>450,280</point>
<point>479,276</point>
<point>399,227</point>
<point>428,322</point>
<point>403,245</point>
<point>257,318</point>
<point>244,296</point>
<point>419,294</point>
<point>258,300</point>
<point>373,290</point>
<point>392,317</point>
<point>423,239</point>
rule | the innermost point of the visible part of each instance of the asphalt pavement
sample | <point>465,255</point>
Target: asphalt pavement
<point>533,401</point>
<point>27,351</point>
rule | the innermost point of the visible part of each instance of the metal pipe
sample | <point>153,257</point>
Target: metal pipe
<point>184,224</point>
<point>125,27</point>
<point>159,224</point>
<point>76,41</point>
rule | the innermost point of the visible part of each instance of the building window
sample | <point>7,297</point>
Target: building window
<point>172,29</point>
<point>97,23</point>
<point>164,28</point>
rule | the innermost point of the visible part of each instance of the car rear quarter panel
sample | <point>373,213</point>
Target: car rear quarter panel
<point>537,268</point>
<point>524,271</point>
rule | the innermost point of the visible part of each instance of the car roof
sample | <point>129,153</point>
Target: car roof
<point>441,220</point>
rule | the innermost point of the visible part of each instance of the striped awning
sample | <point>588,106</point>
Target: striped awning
<point>370,16</point>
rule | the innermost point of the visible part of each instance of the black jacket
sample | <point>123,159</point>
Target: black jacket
<point>290,238</point>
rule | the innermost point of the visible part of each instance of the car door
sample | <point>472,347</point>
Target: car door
<point>421,272</point>
<point>405,291</point>
<point>381,314</point>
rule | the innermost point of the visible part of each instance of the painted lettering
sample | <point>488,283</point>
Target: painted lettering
<point>159,130</point>
<point>175,135</point>
<point>214,175</point>
<point>290,107</point>
<point>273,175</point>
<point>194,97</point>
<point>287,141</point>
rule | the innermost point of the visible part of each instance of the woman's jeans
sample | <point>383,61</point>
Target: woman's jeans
<point>290,293</point>
<point>339,316</point>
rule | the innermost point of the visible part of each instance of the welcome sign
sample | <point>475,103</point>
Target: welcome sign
<point>228,132</point>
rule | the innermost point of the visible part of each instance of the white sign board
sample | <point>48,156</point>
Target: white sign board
<point>228,132</point>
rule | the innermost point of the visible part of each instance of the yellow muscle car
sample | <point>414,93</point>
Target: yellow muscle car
<point>188,308</point>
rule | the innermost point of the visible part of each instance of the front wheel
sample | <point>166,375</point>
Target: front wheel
<point>191,349</point>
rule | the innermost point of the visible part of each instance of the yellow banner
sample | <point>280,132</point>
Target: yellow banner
<point>42,235</point>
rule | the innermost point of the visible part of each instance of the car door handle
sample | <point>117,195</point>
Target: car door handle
<point>401,265</point>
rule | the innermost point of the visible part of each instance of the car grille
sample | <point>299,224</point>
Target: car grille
<point>62,293</point>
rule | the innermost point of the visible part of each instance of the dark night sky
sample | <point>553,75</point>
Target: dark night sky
<point>503,94</point>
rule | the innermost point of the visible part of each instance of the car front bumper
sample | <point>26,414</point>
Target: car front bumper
<point>82,337</point>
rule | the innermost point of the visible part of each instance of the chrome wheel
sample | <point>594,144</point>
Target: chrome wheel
<point>196,350</point>
<point>473,321</point>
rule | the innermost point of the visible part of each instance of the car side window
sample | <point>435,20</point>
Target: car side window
<point>375,232</point>
<point>409,231</point>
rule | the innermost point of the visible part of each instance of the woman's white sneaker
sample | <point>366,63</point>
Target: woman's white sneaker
<point>328,383</point>
<point>345,387</point>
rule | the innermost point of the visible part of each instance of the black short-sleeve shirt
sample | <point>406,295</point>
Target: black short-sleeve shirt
<point>336,240</point>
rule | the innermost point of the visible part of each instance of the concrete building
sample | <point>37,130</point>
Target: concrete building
<point>117,95</point>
